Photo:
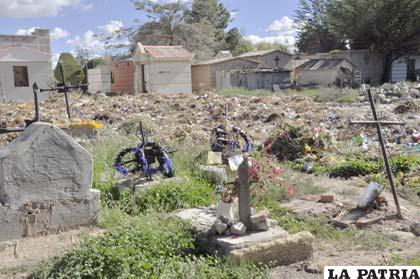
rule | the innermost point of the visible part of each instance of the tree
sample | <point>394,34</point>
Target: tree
<point>198,27</point>
<point>391,27</point>
<point>270,46</point>
<point>236,44</point>
<point>314,33</point>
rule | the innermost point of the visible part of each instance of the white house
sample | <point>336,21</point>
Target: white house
<point>405,68</point>
<point>162,69</point>
<point>24,60</point>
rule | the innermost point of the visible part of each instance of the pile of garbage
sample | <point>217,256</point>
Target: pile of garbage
<point>389,93</point>
<point>293,142</point>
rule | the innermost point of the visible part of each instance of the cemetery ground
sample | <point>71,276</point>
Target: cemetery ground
<point>138,236</point>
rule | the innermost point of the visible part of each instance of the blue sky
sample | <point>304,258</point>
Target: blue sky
<point>73,23</point>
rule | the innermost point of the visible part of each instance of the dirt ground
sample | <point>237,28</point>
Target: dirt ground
<point>19,257</point>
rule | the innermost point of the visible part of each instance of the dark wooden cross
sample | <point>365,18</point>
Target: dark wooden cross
<point>378,124</point>
<point>244,194</point>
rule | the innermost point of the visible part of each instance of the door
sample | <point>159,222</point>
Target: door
<point>411,69</point>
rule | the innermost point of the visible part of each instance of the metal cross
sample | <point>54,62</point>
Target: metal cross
<point>378,124</point>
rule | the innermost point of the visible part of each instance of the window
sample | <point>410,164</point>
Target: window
<point>20,74</point>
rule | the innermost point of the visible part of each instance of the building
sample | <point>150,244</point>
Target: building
<point>252,79</point>
<point>204,74</point>
<point>24,60</point>
<point>99,79</point>
<point>406,68</point>
<point>270,59</point>
<point>326,72</point>
<point>162,69</point>
<point>122,75</point>
<point>371,64</point>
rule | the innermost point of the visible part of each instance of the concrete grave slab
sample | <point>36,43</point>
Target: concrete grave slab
<point>45,184</point>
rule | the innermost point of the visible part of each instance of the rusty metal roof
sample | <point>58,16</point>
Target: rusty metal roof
<point>263,52</point>
<point>323,64</point>
<point>167,52</point>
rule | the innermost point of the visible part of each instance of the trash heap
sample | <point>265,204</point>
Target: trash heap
<point>389,93</point>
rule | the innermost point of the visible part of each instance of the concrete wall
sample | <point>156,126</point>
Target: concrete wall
<point>320,77</point>
<point>236,64</point>
<point>39,40</point>
<point>268,60</point>
<point>399,70</point>
<point>370,64</point>
<point>168,77</point>
<point>123,72</point>
<point>253,80</point>
<point>99,80</point>
<point>200,75</point>
<point>39,72</point>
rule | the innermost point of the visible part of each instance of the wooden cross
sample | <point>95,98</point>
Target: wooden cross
<point>378,124</point>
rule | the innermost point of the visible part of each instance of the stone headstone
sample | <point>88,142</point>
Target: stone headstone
<point>45,184</point>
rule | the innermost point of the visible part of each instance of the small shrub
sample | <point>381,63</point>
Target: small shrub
<point>245,92</point>
<point>169,196</point>
<point>404,164</point>
<point>352,168</point>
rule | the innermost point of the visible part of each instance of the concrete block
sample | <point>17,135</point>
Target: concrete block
<point>43,163</point>
<point>281,251</point>
<point>215,174</point>
<point>260,216</point>
<point>209,158</point>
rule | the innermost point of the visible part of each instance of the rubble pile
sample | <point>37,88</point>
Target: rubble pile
<point>390,93</point>
<point>182,116</point>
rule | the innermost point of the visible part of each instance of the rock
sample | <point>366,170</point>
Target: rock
<point>313,268</point>
<point>201,220</point>
<point>280,251</point>
<point>228,212</point>
<point>261,226</point>
<point>260,216</point>
<point>217,175</point>
<point>238,228</point>
<point>401,236</point>
<point>415,93</point>
<point>45,184</point>
<point>219,226</point>
<point>415,228</point>
<point>327,198</point>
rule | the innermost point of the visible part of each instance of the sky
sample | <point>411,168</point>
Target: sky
<point>74,23</point>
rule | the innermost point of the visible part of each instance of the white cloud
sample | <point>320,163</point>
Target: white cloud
<point>281,31</point>
<point>26,31</point>
<point>283,26</point>
<point>58,33</point>
<point>55,34</point>
<point>289,41</point>
<point>88,41</point>
<point>39,8</point>
<point>233,14</point>
<point>112,26</point>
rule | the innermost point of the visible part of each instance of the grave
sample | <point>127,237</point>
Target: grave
<point>45,184</point>
<point>253,237</point>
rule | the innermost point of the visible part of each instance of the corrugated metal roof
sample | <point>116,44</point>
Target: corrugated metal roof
<point>323,64</point>
<point>216,61</point>
<point>167,52</point>
<point>262,53</point>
